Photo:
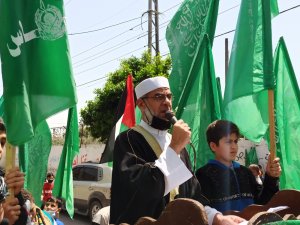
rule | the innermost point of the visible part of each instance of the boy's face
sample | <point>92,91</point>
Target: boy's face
<point>2,142</point>
<point>226,150</point>
<point>51,206</point>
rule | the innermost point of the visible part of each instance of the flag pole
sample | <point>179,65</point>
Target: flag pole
<point>10,161</point>
<point>272,124</point>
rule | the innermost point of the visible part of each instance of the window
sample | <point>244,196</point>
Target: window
<point>76,173</point>
<point>89,174</point>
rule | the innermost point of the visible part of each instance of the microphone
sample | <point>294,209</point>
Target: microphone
<point>171,117</point>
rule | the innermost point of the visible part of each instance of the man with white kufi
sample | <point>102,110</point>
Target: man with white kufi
<point>149,164</point>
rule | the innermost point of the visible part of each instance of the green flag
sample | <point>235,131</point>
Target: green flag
<point>184,34</point>
<point>250,72</point>
<point>63,185</point>
<point>287,105</point>
<point>30,154</point>
<point>274,8</point>
<point>199,104</point>
<point>36,69</point>
<point>251,157</point>
<point>1,106</point>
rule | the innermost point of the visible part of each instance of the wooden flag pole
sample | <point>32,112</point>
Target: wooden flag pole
<point>272,124</point>
<point>10,161</point>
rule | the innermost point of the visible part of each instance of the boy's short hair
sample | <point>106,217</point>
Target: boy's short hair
<point>55,200</point>
<point>219,129</point>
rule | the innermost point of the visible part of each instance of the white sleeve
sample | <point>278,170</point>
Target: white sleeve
<point>210,212</point>
<point>173,168</point>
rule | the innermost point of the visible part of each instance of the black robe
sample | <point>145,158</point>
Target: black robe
<point>138,186</point>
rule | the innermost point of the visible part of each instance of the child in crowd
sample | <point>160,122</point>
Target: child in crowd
<point>48,186</point>
<point>53,206</point>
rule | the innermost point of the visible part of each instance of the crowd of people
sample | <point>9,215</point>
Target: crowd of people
<point>21,209</point>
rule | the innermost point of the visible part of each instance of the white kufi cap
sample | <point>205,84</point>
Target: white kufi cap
<point>151,84</point>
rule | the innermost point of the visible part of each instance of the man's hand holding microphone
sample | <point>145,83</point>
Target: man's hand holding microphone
<point>181,134</point>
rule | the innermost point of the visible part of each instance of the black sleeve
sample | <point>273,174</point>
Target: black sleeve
<point>269,188</point>
<point>137,184</point>
<point>134,164</point>
<point>191,188</point>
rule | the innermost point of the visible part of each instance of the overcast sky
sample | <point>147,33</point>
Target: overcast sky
<point>98,43</point>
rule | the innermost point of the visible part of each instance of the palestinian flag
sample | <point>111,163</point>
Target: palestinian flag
<point>124,119</point>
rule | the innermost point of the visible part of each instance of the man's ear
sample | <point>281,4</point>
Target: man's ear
<point>141,104</point>
<point>213,146</point>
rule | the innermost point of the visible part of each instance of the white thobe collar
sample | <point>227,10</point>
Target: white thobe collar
<point>160,135</point>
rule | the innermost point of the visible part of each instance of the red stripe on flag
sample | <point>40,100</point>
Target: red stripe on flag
<point>129,112</point>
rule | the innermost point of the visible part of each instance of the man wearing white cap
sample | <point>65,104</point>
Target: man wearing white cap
<point>151,167</point>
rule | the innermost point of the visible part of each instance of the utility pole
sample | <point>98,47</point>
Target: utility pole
<point>156,27</point>
<point>226,57</point>
<point>152,23</point>
<point>150,26</point>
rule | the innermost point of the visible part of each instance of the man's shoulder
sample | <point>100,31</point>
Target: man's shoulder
<point>128,133</point>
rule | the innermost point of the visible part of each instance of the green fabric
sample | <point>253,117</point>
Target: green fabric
<point>184,34</point>
<point>35,164</point>
<point>36,69</point>
<point>1,106</point>
<point>287,105</point>
<point>63,185</point>
<point>250,71</point>
<point>287,222</point>
<point>274,8</point>
<point>251,157</point>
<point>199,103</point>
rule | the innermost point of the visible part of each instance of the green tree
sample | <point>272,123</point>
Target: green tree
<point>99,113</point>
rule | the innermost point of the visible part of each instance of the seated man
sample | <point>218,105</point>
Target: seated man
<point>152,167</point>
<point>227,184</point>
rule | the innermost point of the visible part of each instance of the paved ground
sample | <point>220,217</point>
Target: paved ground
<point>82,220</point>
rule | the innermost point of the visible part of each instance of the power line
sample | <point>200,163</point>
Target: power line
<point>216,36</point>
<point>109,61</point>
<point>226,10</point>
<point>103,28</point>
<point>91,81</point>
<point>115,47</point>
<point>283,11</point>
<point>118,35</point>
<point>106,51</point>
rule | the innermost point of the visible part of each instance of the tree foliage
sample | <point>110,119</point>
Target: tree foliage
<point>99,113</point>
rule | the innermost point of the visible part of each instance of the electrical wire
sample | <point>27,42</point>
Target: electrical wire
<point>103,28</point>
<point>216,36</point>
